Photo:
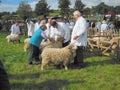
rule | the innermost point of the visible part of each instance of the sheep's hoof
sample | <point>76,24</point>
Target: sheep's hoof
<point>66,68</point>
<point>42,68</point>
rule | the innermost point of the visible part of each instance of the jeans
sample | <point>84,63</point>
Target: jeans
<point>34,54</point>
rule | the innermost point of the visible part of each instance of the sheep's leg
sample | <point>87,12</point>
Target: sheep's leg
<point>43,64</point>
<point>66,67</point>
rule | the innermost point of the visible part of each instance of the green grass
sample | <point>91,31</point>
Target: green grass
<point>100,72</point>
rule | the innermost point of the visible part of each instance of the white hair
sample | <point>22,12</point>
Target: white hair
<point>77,13</point>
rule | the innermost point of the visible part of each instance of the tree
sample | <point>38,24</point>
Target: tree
<point>79,5</point>
<point>117,9</point>
<point>64,7</point>
<point>102,8</point>
<point>24,10</point>
<point>42,8</point>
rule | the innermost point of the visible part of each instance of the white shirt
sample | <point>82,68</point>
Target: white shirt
<point>104,27</point>
<point>37,26</point>
<point>98,25</point>
<point>30,27</point>
<point>80,30</point>
<point>15,29</point>
<point>55,32</point>
<point>66,31</point>
<point>47,32</point>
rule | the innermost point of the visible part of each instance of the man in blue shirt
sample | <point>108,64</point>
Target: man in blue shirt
<point>35,42</point>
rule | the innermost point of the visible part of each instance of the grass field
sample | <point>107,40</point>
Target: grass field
<point>100,72</point>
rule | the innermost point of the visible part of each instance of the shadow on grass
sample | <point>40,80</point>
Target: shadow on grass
<point>89,55</point>
<point>46,85</point>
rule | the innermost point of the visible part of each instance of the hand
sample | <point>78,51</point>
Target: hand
<point>75,37</point>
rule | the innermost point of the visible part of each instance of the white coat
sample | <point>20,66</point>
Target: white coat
<point>80,30</point>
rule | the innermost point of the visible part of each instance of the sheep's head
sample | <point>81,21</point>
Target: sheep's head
<point>72,47</point>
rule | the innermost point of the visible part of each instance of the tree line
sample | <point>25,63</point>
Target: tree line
<point>42,8</point>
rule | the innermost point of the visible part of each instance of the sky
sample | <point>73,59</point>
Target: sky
<point>12,5</point>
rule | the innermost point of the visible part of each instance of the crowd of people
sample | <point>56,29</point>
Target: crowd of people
<point>69,32</point>
<point>58,27</point>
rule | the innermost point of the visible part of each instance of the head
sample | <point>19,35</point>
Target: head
<point>16,22</point>
<point>76,14</point>
<point>49,20</point>
<point>27,20</point>
<point>54,24</point>
<point>72,46</point>
<point>38,20</point>
<point>43,22</point>
<point>43,27</point>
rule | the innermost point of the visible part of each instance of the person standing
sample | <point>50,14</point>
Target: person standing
<point>30,27</point>
<point>66,31</point>
<point>37,24</point>
<point>79,37</point>
<point>35,42</point>
<point>15,29</point>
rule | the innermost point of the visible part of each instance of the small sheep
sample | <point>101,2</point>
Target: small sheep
<point>58,55</point>
<point>12,38</point>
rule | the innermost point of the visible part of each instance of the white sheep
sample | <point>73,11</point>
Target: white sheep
<point>44,43</point>
<point>26,44</point>
<point>13,38</point>
<point>58,55</point>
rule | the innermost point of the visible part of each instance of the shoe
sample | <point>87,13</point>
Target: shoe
<point>30,63</point>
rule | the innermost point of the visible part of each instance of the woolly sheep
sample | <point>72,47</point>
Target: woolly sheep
<point>58,55</point>
<point>26,44</point>
<point>12,38</point>
<point>44,43</point>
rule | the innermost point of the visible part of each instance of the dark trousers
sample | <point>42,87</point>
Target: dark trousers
<point>34,53</point>
<point>78,59</point>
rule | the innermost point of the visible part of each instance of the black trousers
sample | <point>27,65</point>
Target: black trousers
<point>34,53</point>
<point>78,59</point>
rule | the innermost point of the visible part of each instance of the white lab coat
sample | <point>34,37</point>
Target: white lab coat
<point>66,31</point>
<point>80,30</point>
<point>30,27</point>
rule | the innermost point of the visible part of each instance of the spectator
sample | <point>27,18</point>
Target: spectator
<point>79,37</point>
<point>15,28</point>
<point>104,27</point>
<point>37,24</point>
<point>30,27</point>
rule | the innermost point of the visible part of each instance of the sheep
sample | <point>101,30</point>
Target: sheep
<point>45,43</point>
<point>26,44</point>
<point>12,38</point>
<point>58,55</point>
<point>50,44</point>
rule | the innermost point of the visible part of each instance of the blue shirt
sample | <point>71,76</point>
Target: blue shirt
<point>36,38</point>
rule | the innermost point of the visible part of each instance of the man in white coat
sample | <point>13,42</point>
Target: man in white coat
<point>37,24</point>
<point>66,31</point>
<point>79,37</point>
<point>30,27</point>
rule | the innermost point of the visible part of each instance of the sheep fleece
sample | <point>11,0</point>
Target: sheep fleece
<point>58,55</point>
